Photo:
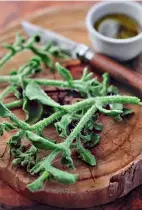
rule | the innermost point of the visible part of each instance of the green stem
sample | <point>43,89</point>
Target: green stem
<point>40,142</point>
<point>52,156</point>
<point>6,91</point>
<point>14,104</point>
<point>38,183</point>
<point>21,124</point>
<point>6,57</point>
<point>68,108</point>
<point>9,79</point>
<point>80,125</point>
<point>46,82</point>
<point>18,46</point>
<point>79,105</point>
<point>118,99</point>
<point>76,85</point>
<point>43,123</point>
<point>91,111</point>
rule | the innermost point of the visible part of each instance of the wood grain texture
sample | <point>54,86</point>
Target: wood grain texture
<point>13,10</point>
<point>48,18</point>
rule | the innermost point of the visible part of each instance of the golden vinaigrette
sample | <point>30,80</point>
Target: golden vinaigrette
<point>118,26</point>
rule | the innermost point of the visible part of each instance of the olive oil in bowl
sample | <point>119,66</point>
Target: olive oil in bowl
<point>117,26</point>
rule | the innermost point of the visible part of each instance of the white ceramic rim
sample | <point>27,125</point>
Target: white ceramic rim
<point>91,28</point>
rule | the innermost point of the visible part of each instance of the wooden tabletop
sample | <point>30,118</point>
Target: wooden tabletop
<point>13,10</point>
<point>10,12</point>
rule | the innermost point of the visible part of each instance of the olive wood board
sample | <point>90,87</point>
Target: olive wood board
<point>119,154</point>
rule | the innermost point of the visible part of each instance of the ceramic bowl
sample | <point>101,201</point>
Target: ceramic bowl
<point>121,49</point>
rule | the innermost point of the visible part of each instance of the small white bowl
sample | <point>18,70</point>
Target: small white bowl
<point>121,49</point>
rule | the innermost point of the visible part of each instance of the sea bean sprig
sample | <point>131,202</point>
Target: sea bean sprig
<point>30,91</point>
<point>86,85</point>
<point>77,124</point>
<point>45,52</point>
<point>34,134</point>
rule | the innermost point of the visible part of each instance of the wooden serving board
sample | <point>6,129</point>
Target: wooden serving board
<point>119,154</point>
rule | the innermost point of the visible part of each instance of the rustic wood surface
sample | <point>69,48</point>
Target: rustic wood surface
<point>10,11</point>
<point>9,199</point>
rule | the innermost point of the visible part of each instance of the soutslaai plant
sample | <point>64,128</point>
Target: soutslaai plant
<point>77,124</point>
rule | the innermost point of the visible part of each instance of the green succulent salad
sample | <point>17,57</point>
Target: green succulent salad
<point>78,124</point>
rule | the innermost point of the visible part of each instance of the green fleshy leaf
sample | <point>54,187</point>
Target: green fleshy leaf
<point>33,110</point>
<point>105,84</point>
<point>112,113</point>
<point>37,168</point>
<point>6,126</point>
<point>16,161</point>
<point>116,106</point>
<point>19,39</point>
<point>84,138</point>
<point>39,182</point>
<point>126,111</point>
<point>62,176</point>
<point>34,92</point>
<point>46,59</point>
<point>40,142</point>
<point>64,73</point>
<point>98,126</point>
<point>9,47</point>
<point>1,130</point>
<point>57,52</point>
<point>13,72</point>
<point>95,117</point>
<point>4,112</point>
<point>95,138</point>
<point>16,92</point>
<point>62,127</point>
<point>15,139</point>
<point>48,46</point>
<point>65,160</point>
<point>118,118</point>
<point>30,68</point>
<point>86,156</point>
<point>85,72</point>
<point>24,158</point>
<point>86,76</point>
<point>90,86</point>
<point>54,173</point>
<point>113,90</point>
<point>45,56</point>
